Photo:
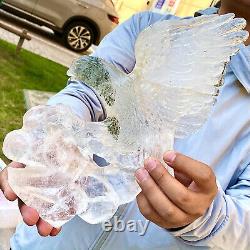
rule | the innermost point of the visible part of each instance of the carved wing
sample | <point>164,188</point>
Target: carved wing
<point>179,67</point>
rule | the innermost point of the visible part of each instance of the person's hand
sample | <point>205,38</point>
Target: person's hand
<point>174,202</point>
<point>30,215</point>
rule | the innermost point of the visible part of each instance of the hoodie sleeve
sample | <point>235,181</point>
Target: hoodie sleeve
<point>226,224</point>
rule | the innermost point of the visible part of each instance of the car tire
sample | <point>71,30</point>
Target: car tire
<point>79,36</point>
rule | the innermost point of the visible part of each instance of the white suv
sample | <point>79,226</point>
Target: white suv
<point>81,23</point>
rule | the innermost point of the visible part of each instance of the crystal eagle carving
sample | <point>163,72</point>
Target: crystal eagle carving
<point>174,84</point>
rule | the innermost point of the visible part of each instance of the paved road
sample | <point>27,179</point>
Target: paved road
<point>43,42</point>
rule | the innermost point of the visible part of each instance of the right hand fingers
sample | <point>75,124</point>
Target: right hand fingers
<point>30,215</point>
<point>4,185</point>
<point>31,218</point>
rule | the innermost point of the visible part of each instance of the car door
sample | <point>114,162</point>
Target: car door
<point>55,11</point>
<point>25,5</point>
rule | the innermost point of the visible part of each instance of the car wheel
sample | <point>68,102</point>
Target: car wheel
<point>78,36</point>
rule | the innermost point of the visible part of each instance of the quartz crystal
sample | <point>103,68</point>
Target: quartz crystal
<point>179,69</point>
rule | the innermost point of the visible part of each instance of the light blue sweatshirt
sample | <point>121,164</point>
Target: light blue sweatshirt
<point>223,143</point>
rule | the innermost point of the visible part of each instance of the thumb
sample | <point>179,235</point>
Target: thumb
<point>4,185</point>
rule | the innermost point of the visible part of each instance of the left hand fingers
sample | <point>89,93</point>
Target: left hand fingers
<point>187,200</point>
<point>147,210</point>
<point>182,178</point>
<point>157,199</point>
<point>199,172</point>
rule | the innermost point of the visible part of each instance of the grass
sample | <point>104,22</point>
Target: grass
<point>25,71</point>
